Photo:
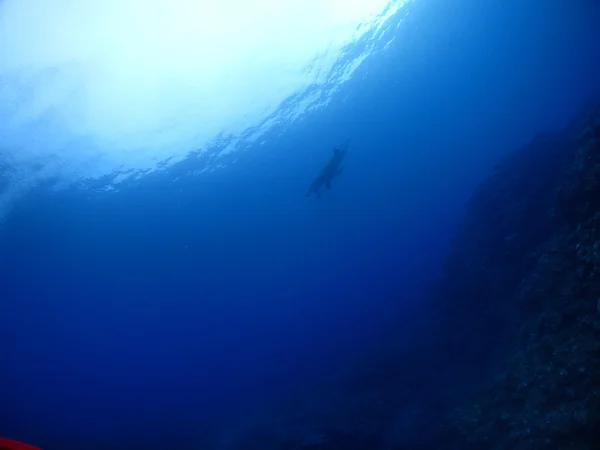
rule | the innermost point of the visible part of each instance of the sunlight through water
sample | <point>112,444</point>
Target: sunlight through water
<point>89,88</point>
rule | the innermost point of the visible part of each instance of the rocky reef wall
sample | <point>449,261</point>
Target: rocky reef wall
<point>520,295</point>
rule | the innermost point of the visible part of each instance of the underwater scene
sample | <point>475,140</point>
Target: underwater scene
<point>299,225</point>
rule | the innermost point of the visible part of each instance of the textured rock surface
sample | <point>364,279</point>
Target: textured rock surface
<point>525,267</point>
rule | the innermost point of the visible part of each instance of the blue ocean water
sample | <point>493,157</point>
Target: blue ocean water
<point>184,308</point>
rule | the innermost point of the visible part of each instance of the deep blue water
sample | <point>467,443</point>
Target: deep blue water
<point>174,308</point>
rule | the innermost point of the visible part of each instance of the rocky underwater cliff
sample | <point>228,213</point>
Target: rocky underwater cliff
<point>521,298</point>
<point>509,355</point>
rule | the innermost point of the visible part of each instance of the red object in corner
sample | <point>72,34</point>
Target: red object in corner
<point>10,444</point>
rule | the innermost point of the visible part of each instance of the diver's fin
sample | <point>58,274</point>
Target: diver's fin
<point>9,444</point>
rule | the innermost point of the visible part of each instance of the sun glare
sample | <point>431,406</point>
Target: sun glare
<point>150,80</point>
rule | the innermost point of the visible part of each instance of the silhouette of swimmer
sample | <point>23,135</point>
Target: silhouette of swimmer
<point>330,171</point>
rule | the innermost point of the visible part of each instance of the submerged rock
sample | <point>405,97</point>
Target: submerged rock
<point>522,283</point>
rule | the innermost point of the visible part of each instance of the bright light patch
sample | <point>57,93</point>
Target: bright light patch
<point>112,84</point>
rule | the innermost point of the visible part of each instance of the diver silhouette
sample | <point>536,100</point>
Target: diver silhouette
<point>331,170</point>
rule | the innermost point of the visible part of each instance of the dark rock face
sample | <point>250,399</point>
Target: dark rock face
<point>523,284</point>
